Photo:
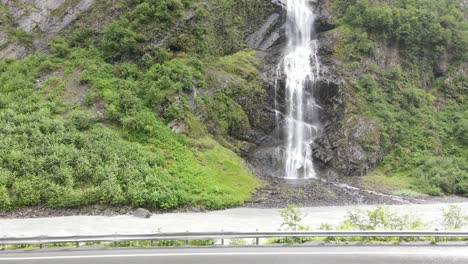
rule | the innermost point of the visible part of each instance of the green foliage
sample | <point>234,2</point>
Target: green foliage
<point>5,202</point>
<point>421,27</point>
<point>423,130</point>
<point>126,79</point>
<point>454,219</point>
<point>114,150</point>
<point>226,116</point>
<point>59,47</point>
<point>418,139</point>
<point>292,218</point>
<point>119,41</point>
<point>26,192</point>
<point>205,242</point>
<point>379,219</point>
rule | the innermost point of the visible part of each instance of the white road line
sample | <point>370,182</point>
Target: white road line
<point>451,254</point>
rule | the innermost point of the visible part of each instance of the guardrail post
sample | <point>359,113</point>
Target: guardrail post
<point>41,246</point>
<point>186,241</point>
<point>152,243</point>
<point>257,239</point>
<point>77,244</point>
<point>222,238</point>
<point>436,237</point>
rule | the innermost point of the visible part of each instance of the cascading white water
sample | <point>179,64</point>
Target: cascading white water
<point>301,69</point>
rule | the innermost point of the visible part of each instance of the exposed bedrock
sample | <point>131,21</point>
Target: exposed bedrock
<point>41,20</point>
<point>349,144</point>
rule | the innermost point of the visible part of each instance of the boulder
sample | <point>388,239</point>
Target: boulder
<point>142,213</point>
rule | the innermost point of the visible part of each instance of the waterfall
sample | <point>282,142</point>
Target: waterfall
<point>301,69</point>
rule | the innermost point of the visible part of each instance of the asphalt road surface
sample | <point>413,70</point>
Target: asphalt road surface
<point>262,255</point>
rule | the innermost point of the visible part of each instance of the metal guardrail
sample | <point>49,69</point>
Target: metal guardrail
<point>188,236</point>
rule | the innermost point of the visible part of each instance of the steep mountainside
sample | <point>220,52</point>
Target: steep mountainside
<point>87,119</point>
<point>402,71</point>
<point>154,102</point>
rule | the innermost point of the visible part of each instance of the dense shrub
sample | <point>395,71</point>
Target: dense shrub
<point>67,155</point>
<point>380,218</point>
<point>5,202</point>
<point>120,41</point>
<point>454,218</point>
<point>422,27</point>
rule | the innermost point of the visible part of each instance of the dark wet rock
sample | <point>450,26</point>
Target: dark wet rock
<point>350,147</point>
<point>279,193</point>
<point>142,213</point>
<point>323,22</point>
<point>267,35</point>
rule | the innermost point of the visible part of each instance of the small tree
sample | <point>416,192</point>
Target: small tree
<point>292,218</point>
<point>454,219</point>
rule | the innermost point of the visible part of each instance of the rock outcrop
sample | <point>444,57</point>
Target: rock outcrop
<point>349,145</point>
<point>40,19</point>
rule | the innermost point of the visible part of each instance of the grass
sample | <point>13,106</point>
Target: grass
<point>396,185</point>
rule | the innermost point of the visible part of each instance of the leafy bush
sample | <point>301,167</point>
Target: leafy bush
<point>416,25</point>
<point>380,218</point>
<point>119,41</point>
<point>26,192</point>
<point>292,218</point>
<point>59,47</point>
<point>454,219</point>
<point>5,202</point>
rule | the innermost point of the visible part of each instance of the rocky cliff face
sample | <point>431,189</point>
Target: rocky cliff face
<point>38,21</point>
<point>343,147</point>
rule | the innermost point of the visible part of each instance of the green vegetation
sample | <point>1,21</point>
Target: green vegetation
<point>88,123</point>
<point>454,218</point>
<point>292,218</point>
<point>292,221</point>
<point>412,59</point>
<point>378,219</point>
<point>9,33</point>
<point>66,155</point>
<point>120,244</point>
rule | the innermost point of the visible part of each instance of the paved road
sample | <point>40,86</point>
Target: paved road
<point>270,255</point>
